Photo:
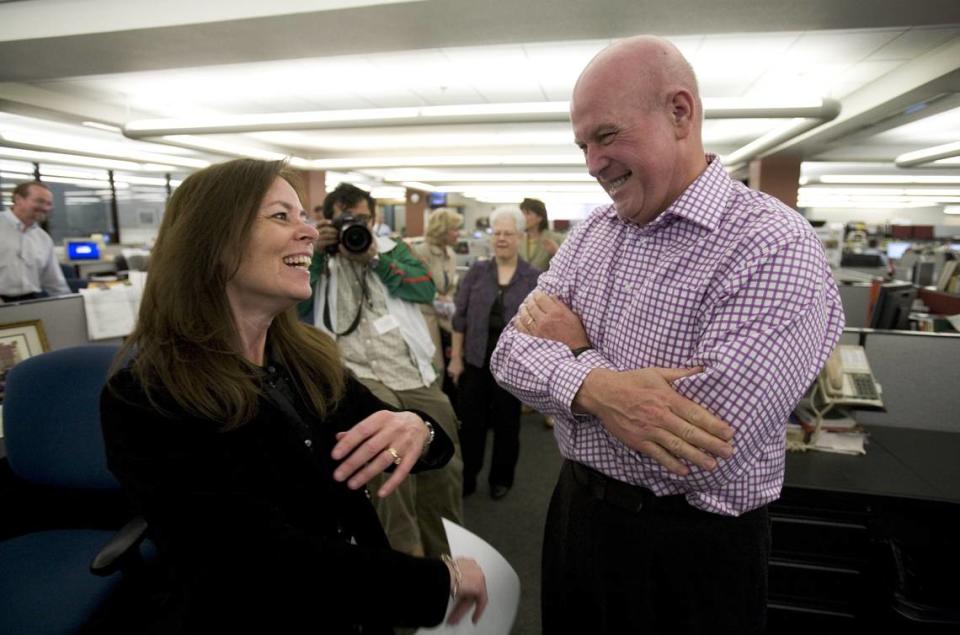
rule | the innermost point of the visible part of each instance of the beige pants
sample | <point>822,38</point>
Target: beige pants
<point>411,515</point>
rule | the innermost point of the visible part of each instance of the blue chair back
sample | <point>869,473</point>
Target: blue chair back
<point>51,418</point>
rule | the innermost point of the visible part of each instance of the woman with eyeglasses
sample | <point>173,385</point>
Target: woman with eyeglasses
<point>488,298</point>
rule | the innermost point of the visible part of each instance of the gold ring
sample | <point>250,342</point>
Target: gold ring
<point>396,455</point>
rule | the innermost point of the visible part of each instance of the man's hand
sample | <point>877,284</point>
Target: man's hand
<point>455,369</point>
<point>327,234</point>
<point>641,409</point>
<point>546,317</point>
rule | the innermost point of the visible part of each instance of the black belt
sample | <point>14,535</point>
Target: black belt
<point>25,296</point>
<point>632,498</point>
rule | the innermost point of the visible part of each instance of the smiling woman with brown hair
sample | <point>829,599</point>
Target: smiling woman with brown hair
<point>239,435</point>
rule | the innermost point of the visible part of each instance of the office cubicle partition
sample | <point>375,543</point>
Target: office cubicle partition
<point>63,319</point>
<point>920,377</point>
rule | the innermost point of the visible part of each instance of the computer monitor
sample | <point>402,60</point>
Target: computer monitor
<point>82,250</point>
<point>892,309</point>
<point>895,250</point>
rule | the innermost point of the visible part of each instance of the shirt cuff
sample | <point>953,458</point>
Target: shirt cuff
<point>569,375</point>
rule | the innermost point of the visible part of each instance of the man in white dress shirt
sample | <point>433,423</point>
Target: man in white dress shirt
<point>28,266</point>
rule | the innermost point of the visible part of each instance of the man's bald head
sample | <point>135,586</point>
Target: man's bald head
<point>650,65</point>
<point>636,114</point>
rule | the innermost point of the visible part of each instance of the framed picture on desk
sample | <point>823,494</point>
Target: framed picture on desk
<point>19,341</point>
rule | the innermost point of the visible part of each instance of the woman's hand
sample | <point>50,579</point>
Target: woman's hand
<point>470,587</point>
<point>383,439</point>
<point>455,368</point>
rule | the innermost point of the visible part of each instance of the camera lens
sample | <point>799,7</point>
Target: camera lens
<point>356,238</point>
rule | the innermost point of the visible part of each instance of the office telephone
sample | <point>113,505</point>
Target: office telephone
<point>847,380</point>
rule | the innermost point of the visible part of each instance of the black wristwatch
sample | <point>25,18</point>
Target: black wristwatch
<point>583,349</point>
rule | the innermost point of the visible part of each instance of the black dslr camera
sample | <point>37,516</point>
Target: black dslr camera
<point>353,234</point>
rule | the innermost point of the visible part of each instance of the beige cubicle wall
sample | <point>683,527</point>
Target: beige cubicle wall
<point>855,298</point>
<point>63,319</point>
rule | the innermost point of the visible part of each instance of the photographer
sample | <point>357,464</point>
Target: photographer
<point>366,291</point>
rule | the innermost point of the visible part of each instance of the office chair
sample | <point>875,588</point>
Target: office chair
<point>71,504</point>
<point>73,281</point>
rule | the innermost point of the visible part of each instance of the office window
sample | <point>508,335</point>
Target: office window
<point>12,173</point>
<point>140,204</point>
<point>81,201</point>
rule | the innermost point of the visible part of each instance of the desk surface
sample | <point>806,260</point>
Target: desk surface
<point>920,464</point>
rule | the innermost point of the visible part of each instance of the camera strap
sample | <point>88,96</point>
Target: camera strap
<point>356,320</point>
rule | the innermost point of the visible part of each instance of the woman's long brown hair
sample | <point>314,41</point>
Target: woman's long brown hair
<point>185,343</point>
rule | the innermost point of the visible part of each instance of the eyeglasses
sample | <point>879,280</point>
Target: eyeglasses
<point>504,234</point>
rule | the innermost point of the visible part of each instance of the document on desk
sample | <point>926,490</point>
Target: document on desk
<point>503,586</point>
<point>111,312</point>
<point>840,442</point>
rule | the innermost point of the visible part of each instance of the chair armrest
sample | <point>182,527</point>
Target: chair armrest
<point>121,547</point>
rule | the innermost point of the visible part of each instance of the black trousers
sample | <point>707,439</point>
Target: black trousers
<point>609,567</point>
<point>483,405</point>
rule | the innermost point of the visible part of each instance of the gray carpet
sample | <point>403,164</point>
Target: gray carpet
<point>514,524</point>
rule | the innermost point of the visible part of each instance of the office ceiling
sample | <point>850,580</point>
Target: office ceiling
<point>424,94</point>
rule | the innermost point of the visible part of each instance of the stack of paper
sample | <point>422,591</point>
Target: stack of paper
<point>840,442</point>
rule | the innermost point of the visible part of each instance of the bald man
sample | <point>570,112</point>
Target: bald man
<point>28,266</point>
<point>670,339</point>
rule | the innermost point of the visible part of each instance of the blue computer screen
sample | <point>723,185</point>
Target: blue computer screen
<point>895,250</point>
<point>83,250</point>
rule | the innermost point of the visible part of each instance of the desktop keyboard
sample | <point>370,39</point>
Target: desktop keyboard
<point>864,386</point>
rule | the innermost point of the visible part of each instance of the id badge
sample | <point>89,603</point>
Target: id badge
<point>385,324</point>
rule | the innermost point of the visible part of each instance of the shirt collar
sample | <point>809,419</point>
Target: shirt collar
<point>15,220</point>
<point>704,200</point>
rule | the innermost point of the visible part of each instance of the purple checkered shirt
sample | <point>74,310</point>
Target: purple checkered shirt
<point>726,278</point>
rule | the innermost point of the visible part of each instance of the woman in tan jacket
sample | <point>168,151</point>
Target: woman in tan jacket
<point>443,232</point>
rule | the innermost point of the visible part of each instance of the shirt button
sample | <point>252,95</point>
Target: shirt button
<point>308,443</point>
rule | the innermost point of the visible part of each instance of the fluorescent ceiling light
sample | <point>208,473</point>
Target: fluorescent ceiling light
<point>224,147</point>
<point>30,140</point>
<point>259,122</point>
<point>72,159</point>
<point>753,108</point>
<point>952,209</point>
<point>479,177</point>
<point>928,155</point>
<point>74,172</point>
<point>399,139</point>
<point>509,160</point>
<point>102,126</point>
<point>17,166</point>
<point>388,193</point>
<point>415,185</point>
<point>140,180</point>
<point>459,113</point>
<point>877,191</point>
<point>91,183</point>
<point>519,187</point>
<point>15,176</point>
<point>898,179</point>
